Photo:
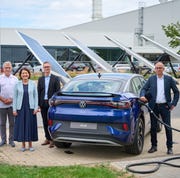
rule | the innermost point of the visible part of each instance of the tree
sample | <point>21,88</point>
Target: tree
<point>173,31</point>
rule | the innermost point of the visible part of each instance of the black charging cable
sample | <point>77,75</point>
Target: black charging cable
<point>159,120</point>
<point>157,163</point>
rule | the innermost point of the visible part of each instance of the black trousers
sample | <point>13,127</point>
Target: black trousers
<point>44,112</point>
<point>163,111</point>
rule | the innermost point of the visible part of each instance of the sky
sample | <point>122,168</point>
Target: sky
<point>59,14</point>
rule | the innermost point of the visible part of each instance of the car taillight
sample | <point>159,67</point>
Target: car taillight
<point>50,122</point>
<point>125,127</point>
<point>120,104</point>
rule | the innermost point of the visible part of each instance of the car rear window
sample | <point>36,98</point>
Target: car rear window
<point>94,86</point>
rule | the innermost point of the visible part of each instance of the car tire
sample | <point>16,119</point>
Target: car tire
<point>138,143</point>
<point>62,144</point>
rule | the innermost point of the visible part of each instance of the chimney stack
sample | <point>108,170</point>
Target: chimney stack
<point>96,9</point>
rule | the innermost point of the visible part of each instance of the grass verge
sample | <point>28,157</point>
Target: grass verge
<point>98,171</point>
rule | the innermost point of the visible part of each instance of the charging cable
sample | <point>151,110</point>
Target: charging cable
<point>158,163</point>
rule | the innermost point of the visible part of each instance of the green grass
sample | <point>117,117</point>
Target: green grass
<point>99,171</point>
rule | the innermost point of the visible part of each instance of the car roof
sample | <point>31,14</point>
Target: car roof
<point>125,76</point>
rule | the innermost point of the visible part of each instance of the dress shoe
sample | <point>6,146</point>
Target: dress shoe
<point>2,143</point>
<point>12,144</point>
<point>152,149</point>
<point>46,142</point>
<point>170,151</point>
<point>51,144</point>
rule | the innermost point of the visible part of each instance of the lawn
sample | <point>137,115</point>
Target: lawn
<point>98,171</point>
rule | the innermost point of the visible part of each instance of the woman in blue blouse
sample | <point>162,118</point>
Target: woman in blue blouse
<point>25,107</point>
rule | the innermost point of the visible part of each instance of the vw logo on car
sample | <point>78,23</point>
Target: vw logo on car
<point>82,104</point>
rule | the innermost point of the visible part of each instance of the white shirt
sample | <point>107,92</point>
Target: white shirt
<point>7,85</point>
<point>47,79</point>
<point>160,98</point>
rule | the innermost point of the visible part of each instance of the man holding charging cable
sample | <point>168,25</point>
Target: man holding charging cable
<point>157,91</point>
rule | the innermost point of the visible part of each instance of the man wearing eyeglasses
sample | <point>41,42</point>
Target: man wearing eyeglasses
<point>47,86</point>
<point>7,84</point>
<point>157,91</point>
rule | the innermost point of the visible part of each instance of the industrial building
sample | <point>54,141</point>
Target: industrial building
<point>126,28</point>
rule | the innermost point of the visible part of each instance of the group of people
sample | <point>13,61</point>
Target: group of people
<point>20,100</point>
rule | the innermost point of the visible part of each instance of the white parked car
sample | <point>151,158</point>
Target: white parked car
<point>17,65</point>
<point>176,67</point>
<point>37,68</point>
<point>122,67</point>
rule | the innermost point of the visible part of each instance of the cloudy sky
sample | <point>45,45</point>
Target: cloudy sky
<point>58,14</point>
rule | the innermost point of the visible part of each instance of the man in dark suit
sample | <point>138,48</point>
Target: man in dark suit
<point>157,91</point>
<point>47,86</point>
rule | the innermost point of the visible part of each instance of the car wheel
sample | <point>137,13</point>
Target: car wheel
<point>62,144</point>
<point>138,144</point>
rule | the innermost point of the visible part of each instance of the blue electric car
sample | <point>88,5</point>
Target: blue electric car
<point>100,109</point>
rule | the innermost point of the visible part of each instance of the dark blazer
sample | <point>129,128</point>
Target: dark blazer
<point>54,86</point>
<point>150,91</point>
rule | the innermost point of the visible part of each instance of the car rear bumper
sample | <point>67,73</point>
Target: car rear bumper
<point>105,134</point>
<point>86,140</point>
